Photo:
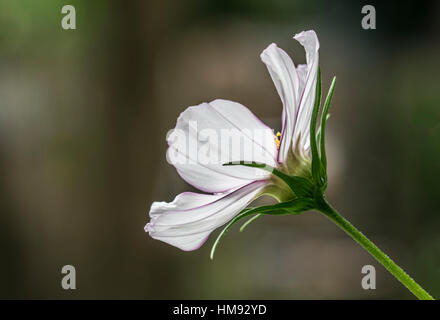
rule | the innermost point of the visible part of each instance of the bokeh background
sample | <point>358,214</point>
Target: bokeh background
<point>83,119</point>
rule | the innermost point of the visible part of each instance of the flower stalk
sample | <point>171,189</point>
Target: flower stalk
<point>372,249</point>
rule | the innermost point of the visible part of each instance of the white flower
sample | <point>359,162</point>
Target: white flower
<point>187,221</point>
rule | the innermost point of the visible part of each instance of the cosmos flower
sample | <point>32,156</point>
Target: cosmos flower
<point>188,220</point>
<point>290,166</point>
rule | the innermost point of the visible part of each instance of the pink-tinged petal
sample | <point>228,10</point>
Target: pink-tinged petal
<point>187,221</point>
<point>284,76</point>
<point>308,77</point>
<point>211,134</point>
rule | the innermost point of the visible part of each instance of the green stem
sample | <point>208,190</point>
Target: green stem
<point>389,264</point>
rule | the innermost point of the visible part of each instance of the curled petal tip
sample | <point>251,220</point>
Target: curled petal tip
<point>265,52</point>
<point>305,33</point>
<point>308,39</point>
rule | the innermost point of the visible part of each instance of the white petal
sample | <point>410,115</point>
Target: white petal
<point>284,75</point>
<point>187,221</point>
<point>302,75</point>
<point>308,77</point>
<point>216,133</point>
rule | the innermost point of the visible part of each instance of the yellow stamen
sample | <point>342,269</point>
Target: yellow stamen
<point>277,139</point>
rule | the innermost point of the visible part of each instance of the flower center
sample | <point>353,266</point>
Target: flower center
<point>277,139</point>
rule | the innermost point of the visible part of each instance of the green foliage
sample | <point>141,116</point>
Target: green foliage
<point>324,117</point>
<point>319,158</point>
<point>295,206</point>
<point>316,163</point>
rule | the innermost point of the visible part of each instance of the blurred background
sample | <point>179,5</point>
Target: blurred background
<point>83,119</point>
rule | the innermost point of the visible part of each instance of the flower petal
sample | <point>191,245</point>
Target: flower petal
<point>308,77</point>
<point>284,75</point>
<point>211,134</point>
<point>187,221</point>
<point>301,69</point>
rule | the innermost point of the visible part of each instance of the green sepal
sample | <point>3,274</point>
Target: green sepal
<point>300,186</point>
<point>316,163</point>
<point>324,117</point>
<point>318,132</point>
<point>295,206</point>
<point>240,216</point>
<point>252,219</point>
